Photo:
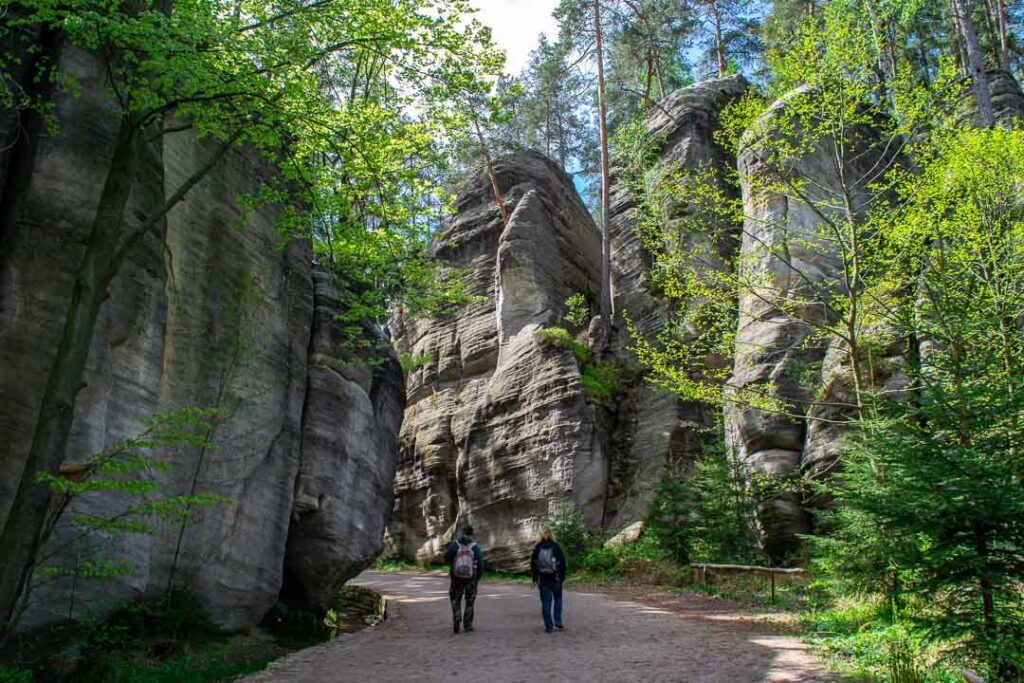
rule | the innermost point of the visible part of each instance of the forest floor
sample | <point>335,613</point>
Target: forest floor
<point>620,636</point>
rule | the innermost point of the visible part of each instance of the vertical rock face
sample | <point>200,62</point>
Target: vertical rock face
<point>1007,98</point>
<point>774,348</point>
<point>787,255</point>
<point>497,430</point>
<point>208,311</point>
<point>343,496</point>
<point>652,427</point>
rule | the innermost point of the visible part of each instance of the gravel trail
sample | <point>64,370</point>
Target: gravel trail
<point>676,638</point>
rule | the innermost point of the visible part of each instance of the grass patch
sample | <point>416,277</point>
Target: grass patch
<point>600,379</point>
<point>857,637</point>
<point>561,338</point>
<point>390,564</point>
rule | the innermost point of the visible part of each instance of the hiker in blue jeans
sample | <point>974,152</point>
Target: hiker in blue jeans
<point>548,568</point>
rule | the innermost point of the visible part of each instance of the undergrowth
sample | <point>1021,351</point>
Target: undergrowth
<point>600,378</point>
<point>168,639</point>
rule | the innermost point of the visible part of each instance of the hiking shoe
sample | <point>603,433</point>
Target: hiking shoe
<point>455,628</point>
<point>468,629</point>
<point>559,626</point>
<point>548,630</point>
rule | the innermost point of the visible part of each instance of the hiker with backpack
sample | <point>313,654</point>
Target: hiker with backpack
<point>466,567</point>
<point>548,568</point>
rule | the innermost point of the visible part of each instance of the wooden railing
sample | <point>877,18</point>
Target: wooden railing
<point>699,572</point>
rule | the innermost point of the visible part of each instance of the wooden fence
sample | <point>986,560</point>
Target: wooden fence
<point>699,572</point>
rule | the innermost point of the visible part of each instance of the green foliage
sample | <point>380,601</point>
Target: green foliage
<point>128,471</point>
<point>930,503</point>
<point>707,513</point>
<point>577,310</point>
<point>352,106</point>
<point>600,379</point>
<point>587,553</point>
<point>571,533</point>
<point>561,338</point>
<point>687,222</point>
<point>15,676</point>
<point>410,362</point>
<point>671,515</point>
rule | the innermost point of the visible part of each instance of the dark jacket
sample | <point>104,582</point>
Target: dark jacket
<point>559,558</point>
<point>453,548</point>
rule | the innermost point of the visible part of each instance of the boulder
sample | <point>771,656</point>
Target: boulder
<point>631,534</point>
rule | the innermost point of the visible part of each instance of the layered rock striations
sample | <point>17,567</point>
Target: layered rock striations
<point>653,428</point>
<point>343,496</point>
<point>498,431</point>
<point>208,311</point>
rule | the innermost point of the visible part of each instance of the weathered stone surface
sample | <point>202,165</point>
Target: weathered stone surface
<point>210,311</point>
<point>1007,98</point>
<point>344,492</point>
<point>653,428</point>
<point>498,431</point>
<point>787,256</point>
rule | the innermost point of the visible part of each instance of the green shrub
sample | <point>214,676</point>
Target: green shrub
<point>15,676</point>
<point>706,513</point>
<point>600,379</point>
<point>410,362</point>
<point>577,310</point>
<point>672,513</point>
<point>561,338</point>
<point>572,534</point>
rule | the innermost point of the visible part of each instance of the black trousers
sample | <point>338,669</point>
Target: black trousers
<point>459,589</point>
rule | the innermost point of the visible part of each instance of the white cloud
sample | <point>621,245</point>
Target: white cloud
<point>516,24</point>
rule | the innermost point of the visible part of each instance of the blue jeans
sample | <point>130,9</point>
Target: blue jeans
<point>551,592</point>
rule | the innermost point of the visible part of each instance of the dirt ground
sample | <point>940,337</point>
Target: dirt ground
<point>606,638</point>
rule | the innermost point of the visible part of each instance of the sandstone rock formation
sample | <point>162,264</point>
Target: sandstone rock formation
<point>783,244</point>
<point>1007,98</point>
<point>497,430</point>
<point>653,428</point>
<point>204,313</point>
<point>786,255</point>
<point>344,493</point>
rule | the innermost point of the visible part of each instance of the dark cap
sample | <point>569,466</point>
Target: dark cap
<point>467,529</point>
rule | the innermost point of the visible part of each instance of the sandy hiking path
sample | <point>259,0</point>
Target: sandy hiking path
<point>606,638</point>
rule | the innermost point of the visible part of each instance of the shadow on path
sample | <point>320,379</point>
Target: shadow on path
<point>606,639</point>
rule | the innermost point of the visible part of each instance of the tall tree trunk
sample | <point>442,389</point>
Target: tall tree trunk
<point>607,309</point>
<point>498,199</point>
<point>716,15</point>
<point>647,83</point>
<point>21,534</point>
<point>561,142</point>
<point>885,69</point>
<point>975,65</point>
<point>1004,47</point>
